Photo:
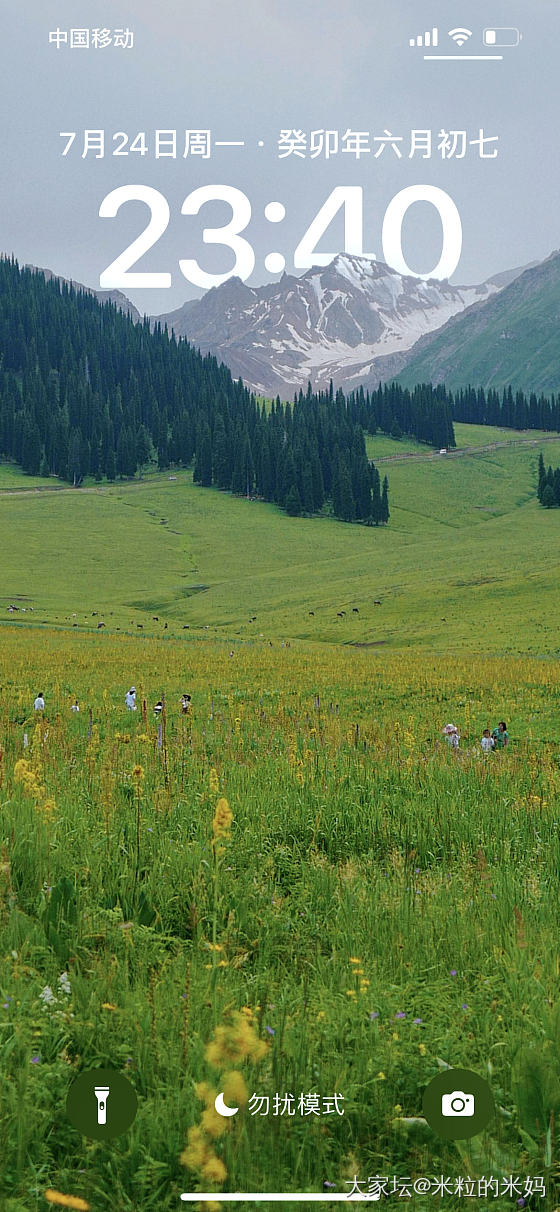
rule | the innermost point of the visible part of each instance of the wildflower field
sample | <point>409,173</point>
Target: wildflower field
<point>301,890</point>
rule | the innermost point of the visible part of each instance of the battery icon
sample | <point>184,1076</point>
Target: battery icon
<point>506,36</point>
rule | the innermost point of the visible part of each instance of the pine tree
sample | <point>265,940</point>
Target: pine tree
<point>541,477</point>
<point>385,501</point>
<point>293,502</point>
<point>74,473</point>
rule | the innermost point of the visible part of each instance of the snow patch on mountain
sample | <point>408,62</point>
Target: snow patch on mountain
<point>333,322</point>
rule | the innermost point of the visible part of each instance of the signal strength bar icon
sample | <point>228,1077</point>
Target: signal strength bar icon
<point>430,38</point>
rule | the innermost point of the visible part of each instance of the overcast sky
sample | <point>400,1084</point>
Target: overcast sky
<point>247,70</point>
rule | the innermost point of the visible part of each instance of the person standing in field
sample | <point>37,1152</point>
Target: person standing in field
<point>130,699</point>
<point>487,742</point>
<point>500,735</point>
<point>451,734</point>
<point>186,704</point>
<point>39,704</point>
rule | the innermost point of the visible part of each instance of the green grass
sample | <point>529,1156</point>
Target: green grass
<point>369,873</point>
<point>381,905</point>
<point>466,561</point>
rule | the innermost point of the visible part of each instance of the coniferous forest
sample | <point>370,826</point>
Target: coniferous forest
<point>85,391</point>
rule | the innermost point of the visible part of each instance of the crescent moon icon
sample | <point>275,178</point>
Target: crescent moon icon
<point>222,1107</point>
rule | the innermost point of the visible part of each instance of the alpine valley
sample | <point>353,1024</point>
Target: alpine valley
<point>351,321</point>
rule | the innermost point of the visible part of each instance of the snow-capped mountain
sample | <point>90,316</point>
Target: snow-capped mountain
<point>334,322</point>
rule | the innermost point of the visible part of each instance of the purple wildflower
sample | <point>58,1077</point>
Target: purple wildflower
<point>453,972</point>
<point>36,1059</point>
<point>417,1020</point>
<point>464,1006</point>
<point>270,1030</point>
<point>374,1014</point>
<point>401,1014</point>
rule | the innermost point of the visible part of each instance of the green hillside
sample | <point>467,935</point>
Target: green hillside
<point>469,561</point>
<point>511,339</point>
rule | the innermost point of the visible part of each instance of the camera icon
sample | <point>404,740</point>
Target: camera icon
<point>457,1104</point>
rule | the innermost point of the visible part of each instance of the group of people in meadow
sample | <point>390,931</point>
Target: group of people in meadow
<point>130,703</point>
<point>498,739</point>
<point>185,703</point>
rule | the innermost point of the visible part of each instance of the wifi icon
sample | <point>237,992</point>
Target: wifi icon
<point>460,36</point>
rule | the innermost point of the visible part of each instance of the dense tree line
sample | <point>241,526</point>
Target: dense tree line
<point>476,406</point>
<point>300,456</point>
<point>425,413</point>
<point>84,391</point>
<point>548,491</point>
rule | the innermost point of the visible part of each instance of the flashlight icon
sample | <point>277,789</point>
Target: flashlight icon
<point>505,36</point>
<point>101,1094</point>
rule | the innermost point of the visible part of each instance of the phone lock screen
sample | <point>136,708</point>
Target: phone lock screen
<point>279,605</point>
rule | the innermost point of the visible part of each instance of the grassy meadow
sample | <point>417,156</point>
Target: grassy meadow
<point>301,888</point>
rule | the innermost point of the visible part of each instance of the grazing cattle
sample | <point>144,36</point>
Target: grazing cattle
<point>341,614</point>
<point>141,626</point>
<point>99,625</point>
<point>312,613</point>
<point>93,614</point>
<point>186,626</point>
<point>155,618</point>
<point>355,610</point>
<point>165,626</point>
<point>376,602</point>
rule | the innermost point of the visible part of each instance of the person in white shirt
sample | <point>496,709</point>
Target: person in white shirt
<point>39,704</point>
<point>75,706</point>
<point>130,699</point>
<point>487,741</point>
<point>451,734</point>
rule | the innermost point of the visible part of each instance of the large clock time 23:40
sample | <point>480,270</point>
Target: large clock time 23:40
<point>345,198</point>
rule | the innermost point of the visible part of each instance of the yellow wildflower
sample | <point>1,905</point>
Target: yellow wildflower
<point>214,1125</point>
<point>205,1092</point>
<point>214,1169</point>
<point>235,1090</point>
<point>66,1201</point>
<point>223,818</point>
<point>197,1150</point>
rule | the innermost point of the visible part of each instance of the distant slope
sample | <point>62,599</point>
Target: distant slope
<point>104,296</point>
<point>512,338</point>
